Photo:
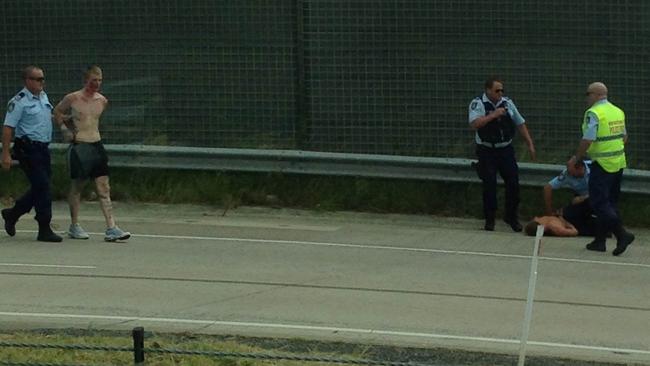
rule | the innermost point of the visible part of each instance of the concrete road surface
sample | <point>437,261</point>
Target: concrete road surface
<point>386,279</point>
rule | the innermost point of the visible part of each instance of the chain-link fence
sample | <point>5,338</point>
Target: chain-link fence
<point>139,351</point>
<point>358,76</point>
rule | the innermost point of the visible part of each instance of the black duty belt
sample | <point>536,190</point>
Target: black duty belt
<point>27,141</point>
<point>496,145</point>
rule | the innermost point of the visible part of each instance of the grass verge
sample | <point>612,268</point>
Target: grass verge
<point>232,189</point>
<point>240,344</point>
<point>184,342</point>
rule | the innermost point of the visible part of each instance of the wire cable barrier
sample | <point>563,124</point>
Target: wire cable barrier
<point>139,352</point>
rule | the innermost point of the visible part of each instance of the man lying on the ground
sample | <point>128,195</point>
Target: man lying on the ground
<point>578,212</point>
<point>553,226</point>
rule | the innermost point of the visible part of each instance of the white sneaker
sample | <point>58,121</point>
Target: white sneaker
<point>77,232</point>
<point>115,234</point>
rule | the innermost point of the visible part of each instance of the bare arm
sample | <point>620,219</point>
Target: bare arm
<point>582,151</point>
<point>482,121</point>
<point>7,134</point>
<point>63,119</point>
<point>548,199</point>
<point>60,115</point>
<point>567,229</point>
<point>523,130</point>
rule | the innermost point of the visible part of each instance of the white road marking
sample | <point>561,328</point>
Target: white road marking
<point>393,248</point>
<point>45,265</point>
<point>377,247</point>
<point>323,329</point>
<point>221,222</point>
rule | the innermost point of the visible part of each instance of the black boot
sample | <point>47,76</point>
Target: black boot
<point>489,221</point>
<point>10,221</point>
<point>623,239</point>
<point>600,238</point>
<point>513,221</point>
<point>597,246</point>
<point>46,234</point>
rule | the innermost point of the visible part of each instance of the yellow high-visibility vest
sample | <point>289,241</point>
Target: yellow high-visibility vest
<point>608,149</point>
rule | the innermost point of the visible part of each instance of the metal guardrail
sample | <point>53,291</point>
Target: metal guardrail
<point>338,164</point>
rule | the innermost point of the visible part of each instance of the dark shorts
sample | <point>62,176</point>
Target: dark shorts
<point>87,160</point>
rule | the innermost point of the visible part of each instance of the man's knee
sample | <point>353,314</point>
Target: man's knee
<point>103,188</point>
<point>103,194</point>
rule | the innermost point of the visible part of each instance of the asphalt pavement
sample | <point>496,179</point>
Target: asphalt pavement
<point>376,278</point>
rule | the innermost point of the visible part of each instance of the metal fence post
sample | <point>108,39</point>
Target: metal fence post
<point>302,119</point>
<point>138,345</point>
<point>532,282</point>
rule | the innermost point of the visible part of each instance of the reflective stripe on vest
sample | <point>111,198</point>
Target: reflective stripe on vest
<point>608,149</point>
<point>610,138</point>
<point>607,154</point>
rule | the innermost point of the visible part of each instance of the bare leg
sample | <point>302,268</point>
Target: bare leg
<point>74,199</point>
<point>104,193</point>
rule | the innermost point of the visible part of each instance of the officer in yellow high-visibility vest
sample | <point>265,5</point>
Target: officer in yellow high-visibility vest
<point>603,140</point>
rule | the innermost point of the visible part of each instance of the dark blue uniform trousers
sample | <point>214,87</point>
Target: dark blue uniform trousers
<point>35,162</point>
<point>498,160</point>
<point>581,216</point>
<point>604,190</point>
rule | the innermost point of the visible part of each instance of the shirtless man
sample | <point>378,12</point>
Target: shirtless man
<point>553,226</point>
<point>578,212</point>
<point>78,115</point>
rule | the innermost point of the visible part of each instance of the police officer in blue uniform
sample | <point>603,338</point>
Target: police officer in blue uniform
<point>495,119</point>
<point>29,117</point>
<point>578,212</point>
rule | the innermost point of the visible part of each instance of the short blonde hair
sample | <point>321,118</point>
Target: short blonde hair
<point>92,70</point>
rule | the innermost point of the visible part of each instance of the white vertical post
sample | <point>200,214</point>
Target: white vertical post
<point>531,295</point>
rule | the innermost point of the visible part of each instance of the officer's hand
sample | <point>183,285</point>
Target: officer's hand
<point>499,112</point>
<point>578,199</point>
<point>571,162</point>
<point>533,153</point>
<point>6,162</point>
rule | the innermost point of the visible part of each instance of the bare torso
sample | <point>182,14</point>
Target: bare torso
<point>556,226</point>
<point>85,112</point>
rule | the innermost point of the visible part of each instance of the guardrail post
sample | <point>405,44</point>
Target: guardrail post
<point>138,345</point>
